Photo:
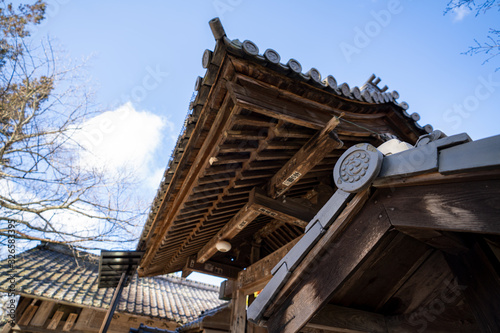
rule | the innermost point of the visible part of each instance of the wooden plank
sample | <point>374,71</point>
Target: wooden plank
<point>56,318</point>
<point>70,322</point>
<point>477,272</point>
<point>22,305</point>
<point>84,319</point>
<point>305,159</point>
<point>463,207</point>
<point>42,314</point>
<point>425,284</point>
<point>287,210</point>
<point>28,314</point>
<point>435,178</point>
<point>212,268</point>
<point>392,262</point>
<point>255,276</point>
<point>442,240</point>
<point>335,318</point>
<point>239,221</point>
<point>343,253</point>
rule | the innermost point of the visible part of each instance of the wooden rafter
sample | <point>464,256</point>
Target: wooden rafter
<point>239,221</point>
<point>305,159</point>
<point>257,204</point>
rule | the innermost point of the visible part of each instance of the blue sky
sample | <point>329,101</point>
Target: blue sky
<point>142,59</point>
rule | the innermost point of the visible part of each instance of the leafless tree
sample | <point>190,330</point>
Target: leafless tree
<point>46,194</point>
<point>491,46</point>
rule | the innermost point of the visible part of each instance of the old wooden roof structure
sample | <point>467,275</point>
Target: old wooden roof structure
<point>253,163</point>
<point>403,238</point>
<point>420,253</point>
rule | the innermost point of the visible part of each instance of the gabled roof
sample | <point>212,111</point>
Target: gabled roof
<point>252,113</point>
<point>56,273</point>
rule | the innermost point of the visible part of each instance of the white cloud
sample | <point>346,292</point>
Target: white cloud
<point>123,137</point>
<point>459,13</point>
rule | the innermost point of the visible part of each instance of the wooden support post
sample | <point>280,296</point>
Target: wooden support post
<point>238,312</point>
<point>305,159</point>
<point>477,272</point>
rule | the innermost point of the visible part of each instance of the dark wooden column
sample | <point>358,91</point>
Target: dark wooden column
<point>477,271</point>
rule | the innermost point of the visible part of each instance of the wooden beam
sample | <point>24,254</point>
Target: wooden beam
<point>305,159</point>
<point>343,253</point>
<point>56,318</point>
<point>258,99</point>
<point>287,210</point>
<point>459,207</point>
<point>70,322</point>
<point>211,268</point>
<point>239,221</point>
<point>256,276</point>
<point>477,272</point>
<point>258,203</point>
<point>28,313</point>
<point>337,318</point>
<point>42,314</point>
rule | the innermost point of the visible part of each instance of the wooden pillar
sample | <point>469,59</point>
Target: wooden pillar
<point>477,272</point>
<point>239,312</point>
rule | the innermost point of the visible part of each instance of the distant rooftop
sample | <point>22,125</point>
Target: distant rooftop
<point>57,273</point>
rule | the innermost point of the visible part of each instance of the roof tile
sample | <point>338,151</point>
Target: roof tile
<point>47,272</point>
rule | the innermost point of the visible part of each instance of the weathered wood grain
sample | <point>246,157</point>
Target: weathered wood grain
<point>459,207</point>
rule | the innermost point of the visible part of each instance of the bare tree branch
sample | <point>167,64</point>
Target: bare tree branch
<point>45,191</point>
<point>491,46</point>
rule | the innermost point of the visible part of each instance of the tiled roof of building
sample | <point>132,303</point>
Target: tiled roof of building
<point>54,272</point>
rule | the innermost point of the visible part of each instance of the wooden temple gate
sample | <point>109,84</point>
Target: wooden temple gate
<point>415,249</point>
